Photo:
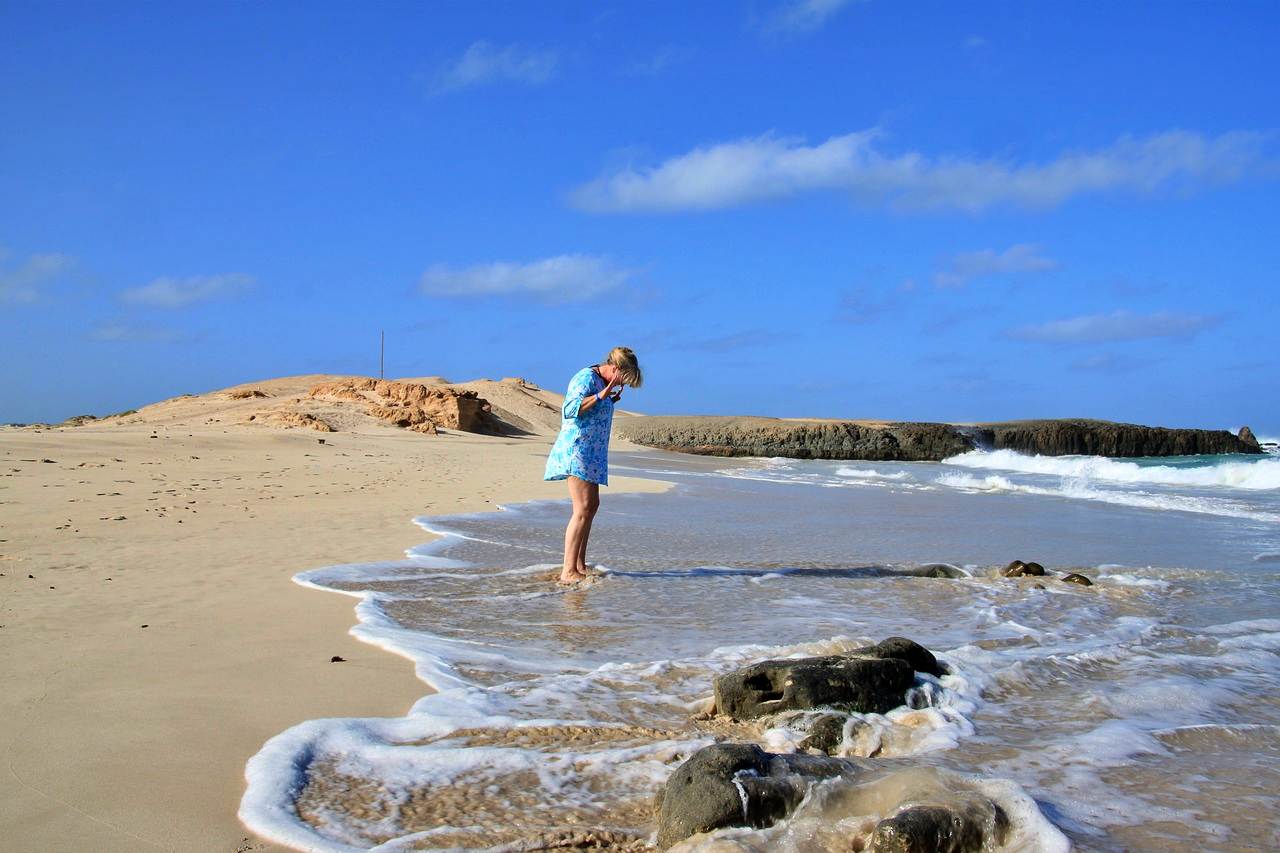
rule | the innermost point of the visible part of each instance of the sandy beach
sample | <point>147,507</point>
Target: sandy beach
<point>151,637</point>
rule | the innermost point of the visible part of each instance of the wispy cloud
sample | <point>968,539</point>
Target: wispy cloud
<point>732,341</point>
<point>180,292</point>
<point>768,167</point>
<point>563,278</point>
<point>963,268</point>
<point>1117,326</point>
<point>804,16</point>
<point>23,282</point>
<point>1110,362</point>
<point>116,332</point>
<point>866,304</point>
<point>975,43</point>
<point>483,63</point>
<point>660,61</point>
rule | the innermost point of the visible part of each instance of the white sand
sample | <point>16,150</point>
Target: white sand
<point>119,737</point>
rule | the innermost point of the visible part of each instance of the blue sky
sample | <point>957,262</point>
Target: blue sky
<point>934,211</point>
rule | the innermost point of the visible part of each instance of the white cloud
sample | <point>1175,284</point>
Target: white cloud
<point>563,278</point>
<point>964,267</point>
<point>1117,326</point>
<point>180,292</point>
<point>23,283</point>
<point>483,63</point>
<point>803,16</point>
<point>766,167</point>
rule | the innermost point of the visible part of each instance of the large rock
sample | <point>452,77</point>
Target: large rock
<point>738,784</point>
<point>960,828</point>
<point>1248,439</point>
<point>870,680</point>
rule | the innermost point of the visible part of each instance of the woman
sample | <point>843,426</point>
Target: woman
<point>581,452</point>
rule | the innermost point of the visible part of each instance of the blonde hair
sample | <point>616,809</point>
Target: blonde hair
<point>628,366</point>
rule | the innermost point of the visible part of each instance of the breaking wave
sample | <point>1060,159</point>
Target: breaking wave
<point>1264,473</point>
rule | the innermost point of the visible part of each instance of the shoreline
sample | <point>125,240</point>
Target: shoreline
<point>122,740</point>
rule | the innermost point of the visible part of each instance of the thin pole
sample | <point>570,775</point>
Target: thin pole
<point>382,357</point>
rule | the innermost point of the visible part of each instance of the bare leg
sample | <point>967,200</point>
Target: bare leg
<point>593,506</point>
<point>586,497</point>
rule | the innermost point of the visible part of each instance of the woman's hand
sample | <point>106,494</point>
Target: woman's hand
<point>613,389</point>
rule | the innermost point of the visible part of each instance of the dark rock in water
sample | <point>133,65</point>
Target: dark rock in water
<point>738,784</point>
<point>936,570</point>
<point>861,684</point>
<point>1247,438</point>
<point>1077,578</point>
<point>941,829</point>
<point>870,680</point>
<point>825,733</point>
<point>920,658</point>
<point>1019,569</point>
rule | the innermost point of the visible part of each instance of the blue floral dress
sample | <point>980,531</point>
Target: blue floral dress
<point>582,448</point>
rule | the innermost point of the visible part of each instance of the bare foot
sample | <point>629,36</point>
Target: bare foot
<point>571,578</point>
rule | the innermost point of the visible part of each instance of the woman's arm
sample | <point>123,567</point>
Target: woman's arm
<point>591,399</point>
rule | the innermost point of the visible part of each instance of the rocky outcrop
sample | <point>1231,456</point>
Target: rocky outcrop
<point>412,405</point>
<point>723,436</point>
<point>921,442</point>
<point>870,680</point>
<point>1103,438</point>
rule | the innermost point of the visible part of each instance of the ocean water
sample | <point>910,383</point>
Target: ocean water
<point>1139,713</point>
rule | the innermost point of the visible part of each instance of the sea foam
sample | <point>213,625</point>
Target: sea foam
<point>1264,473</point>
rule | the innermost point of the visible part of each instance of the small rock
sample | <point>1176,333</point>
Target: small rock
<point>825,733</point>
<point>144,626</point>
<point>1077,578</point>
<point>1019,569</point>
<point>942,829</point>
<point>337,659</point>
